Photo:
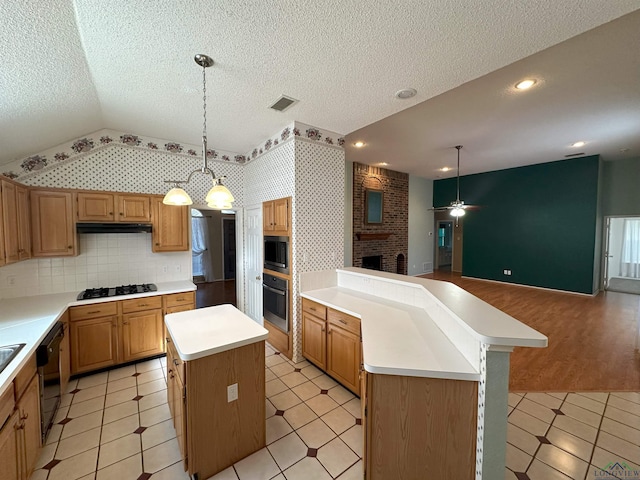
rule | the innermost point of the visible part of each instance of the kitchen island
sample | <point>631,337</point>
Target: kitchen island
<point>434,372</point>
<point>216,386</point>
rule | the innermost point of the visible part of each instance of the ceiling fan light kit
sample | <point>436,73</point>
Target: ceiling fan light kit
<point>457,208</point>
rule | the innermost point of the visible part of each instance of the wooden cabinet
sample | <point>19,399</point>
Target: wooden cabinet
<point>9,214</point>
<point>65,353</point>
<point>176,397</point>
<point>52,223</point>
<point>331,341</point>
<point>9,448</point>
<point>276,217</point>
<point>142,334</point>
<point>94,343</point>
<point>113,207</point>
<point>179,302</point>
<point>170,226</point>
<point>24,222</point>
<point>29,436</point>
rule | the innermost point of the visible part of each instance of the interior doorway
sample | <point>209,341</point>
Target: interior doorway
<point>621,256</point>
<point>444,245</point>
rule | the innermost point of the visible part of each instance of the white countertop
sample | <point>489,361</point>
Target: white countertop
<point>29,319</point>
<point>398,339</point>
<point>207,331</point>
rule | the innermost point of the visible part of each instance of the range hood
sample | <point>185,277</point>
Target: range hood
<point>113,227</point>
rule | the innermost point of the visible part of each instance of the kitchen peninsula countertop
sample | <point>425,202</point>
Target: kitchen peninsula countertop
<point>207,331</point>
<point>29,319</point>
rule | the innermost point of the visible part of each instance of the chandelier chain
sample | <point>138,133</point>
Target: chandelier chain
<point>204,103</point>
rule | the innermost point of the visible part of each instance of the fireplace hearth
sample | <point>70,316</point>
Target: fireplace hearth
<point>372,262</point>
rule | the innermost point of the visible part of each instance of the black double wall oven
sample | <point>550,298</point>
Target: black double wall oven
<point>275,290</point>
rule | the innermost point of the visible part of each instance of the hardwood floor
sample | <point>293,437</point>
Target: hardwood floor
<point>215,293</point>
<point>592,340</point>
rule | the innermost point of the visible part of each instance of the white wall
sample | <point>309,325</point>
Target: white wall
<point>348,214</point>
<point>421,223</point>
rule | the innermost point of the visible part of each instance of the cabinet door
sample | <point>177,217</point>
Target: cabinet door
<point>9,221</point>
<point>24,223</point>
<point>133,208</point>
<point>314,343</point>
<point>2,253</point>
<point>95,207</point>
<point>9,448</point>
<point>267,216</point>
<point>65,354</point>
<point>94,344</point>
<point>170,227</point>
<point>52,224</point>
<point>281,216</point>
<point>343,357</point>
<point>142,334</point>
<point>180,419</point>
<point>29,434</point>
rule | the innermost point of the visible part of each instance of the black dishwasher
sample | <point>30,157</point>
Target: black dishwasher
<point>48,361</point>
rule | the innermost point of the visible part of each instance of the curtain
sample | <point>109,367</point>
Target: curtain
<point>630,259</point>
<point>200,248</point>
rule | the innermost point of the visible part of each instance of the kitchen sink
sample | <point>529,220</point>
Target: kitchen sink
<point>7,352</point>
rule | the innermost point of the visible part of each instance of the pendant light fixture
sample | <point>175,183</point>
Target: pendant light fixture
<point>458,206</point>
<point>219,197</point>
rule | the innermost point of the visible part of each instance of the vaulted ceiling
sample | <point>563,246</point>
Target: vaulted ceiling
<point>70,68</point>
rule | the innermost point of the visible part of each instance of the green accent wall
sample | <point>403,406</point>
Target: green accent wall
<point>538,221</point>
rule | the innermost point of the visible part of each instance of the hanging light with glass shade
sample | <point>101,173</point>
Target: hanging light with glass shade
<point>219,197</point>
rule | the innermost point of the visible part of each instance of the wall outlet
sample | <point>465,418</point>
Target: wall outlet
<point>178,268</point>
<point>506,272</point>
<point>232,393</point>
<point>165,269</point>
<point>11,280</point>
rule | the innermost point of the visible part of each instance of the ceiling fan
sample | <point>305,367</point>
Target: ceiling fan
<point>457,207</point>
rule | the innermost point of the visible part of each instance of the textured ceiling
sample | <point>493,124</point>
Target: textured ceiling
<point>73,67</point>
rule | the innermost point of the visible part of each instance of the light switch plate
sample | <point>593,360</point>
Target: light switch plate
<point>232,393</point>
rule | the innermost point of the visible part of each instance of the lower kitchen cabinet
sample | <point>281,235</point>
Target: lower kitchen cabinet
<point>94,343</point>
<point>9,465</point>
<point>176,397</point>
<point>343,357</point>
<point>314,340</point>
<point>142,334</point>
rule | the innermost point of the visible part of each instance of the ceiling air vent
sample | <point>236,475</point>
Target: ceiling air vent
<point>574,155</point>
<point>283,103</point>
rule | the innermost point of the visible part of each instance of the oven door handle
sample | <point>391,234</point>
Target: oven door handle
<point>273,290</point>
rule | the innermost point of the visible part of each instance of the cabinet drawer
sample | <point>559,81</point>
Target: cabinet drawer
<point>314,308</point>
<point>344,321</point>
<point>7,403</point>
<point>174,362</point>
<point>184,298</point>
<point>144,303</point>
<point>178,308</point>
<point>26,373</point>
<point>94,310</point>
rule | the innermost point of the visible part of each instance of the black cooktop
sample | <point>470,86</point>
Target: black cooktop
<point>91,293</point>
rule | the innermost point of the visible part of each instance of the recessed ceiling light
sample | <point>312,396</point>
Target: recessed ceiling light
<point>406,93</point>
<point>444,169</point>
<point>358,144</point>
<point>578,144</point>
<point>384,164</point>
<point>525,84</point>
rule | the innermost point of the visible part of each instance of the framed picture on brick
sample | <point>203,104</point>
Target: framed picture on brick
<point>373,206</point>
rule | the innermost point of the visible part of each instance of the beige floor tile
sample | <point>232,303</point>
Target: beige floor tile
<point>122,372</point>
<point>353,473</point>
<point>279,477</point>
<point>282,369</point>
<point>544,399</point>
<point>119,428</point>
<point>285,400</point>
<point>311,372</point>
<point>61,414</point>
<point>120,396</point>
<point>150,376</point>
<point>306,469</point>
<point>603,458</point>
<point>92,380</point>
<point>157,434</point>
<point>585,402</point>
<point>576,428</point>
<point>71,385</point>
<point>582,414</point>
<point>597,473</point>
<point>623,404</point>
<point>39,475</point>
<point>121,384</point>
<point>66,399</point>
<point>89,393</point>
<point>128,468</point>
<point>118,449</point>
<point>540,471</point>
<point>91,476</point>
<point>152,387</point>
<point>562,461</point>
<point>269,375</point>
<point>258,466</point>
<point>176,472</point>
<point>277,427</point>
<point>161,456</point>
<point>306,390</point>
<point>630,396</point>
<point>560,395</point>
<point>570,443</point>
<point>522,439</point>
<point>321,404</point>
<point>513,399</point>
<point>152,400</point>
<point>302,364</point>
<point>270,410</point>
<point>339,420</point>
<point>227,474</point>
<point>299,415</point>
<point>353,438</point>
<point>528,423</point>
<point>621,416</point>
<point>82,408</point>
<point>336,457</point>
<point>54,433</point>
<point>619,447</point>
<point>293,379</point>
<point>75,467</point>
<point>325,382</point>
<point>316,434</point>
<point>119,411</point>
<point>601,397</point>
<point>47,453</point>
<point>354,407</point>
<point>155,415</point>
<point>517,460</point>
<point>82,424</point>
<point>78,443</point>
<point>148,365</point>
<point>273,360</point>
<point>340,394</point>
<point>536,410</point>
<point>619,430</point>
<point>274,387</point>
<point>288,450</point>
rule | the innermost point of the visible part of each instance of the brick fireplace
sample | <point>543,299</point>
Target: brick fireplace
<point>388,240</point>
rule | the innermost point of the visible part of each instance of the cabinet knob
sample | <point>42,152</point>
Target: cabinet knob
<point>70,247</point>
<point>157,244</point>
<point>175,362</point>
<point>125,323</point>
<point>110,213</point>
<point>168,340</point>
<point>258,277</point>
<point>121,214</point>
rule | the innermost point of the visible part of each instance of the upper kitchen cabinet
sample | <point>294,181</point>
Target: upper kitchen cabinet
<point>15,228</point>
<point>170,226</point>
<point>52,223</point>
<point>276,217</point>
<point>110,207</point>
<point>24,222</point>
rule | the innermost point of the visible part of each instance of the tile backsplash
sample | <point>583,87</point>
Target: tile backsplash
<point>105,260</point>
